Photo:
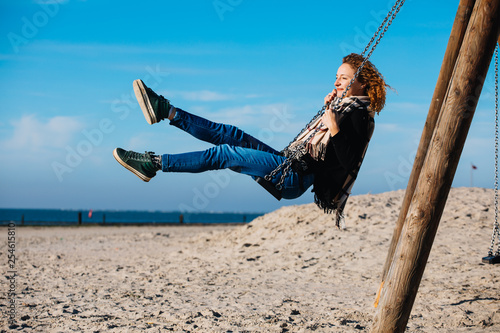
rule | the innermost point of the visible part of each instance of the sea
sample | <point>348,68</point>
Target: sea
<point>58,217</point>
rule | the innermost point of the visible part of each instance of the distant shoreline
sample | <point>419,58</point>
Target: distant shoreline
<point>119,224</point>
<point>64,217</point>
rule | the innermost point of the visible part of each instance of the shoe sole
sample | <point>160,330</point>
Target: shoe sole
<point>144,103</point>
<point>134,171</point>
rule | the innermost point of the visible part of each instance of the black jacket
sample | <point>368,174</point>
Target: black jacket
<point>343,156</point>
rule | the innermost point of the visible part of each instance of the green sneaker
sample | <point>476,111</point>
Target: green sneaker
<point>155,107</point>
<point>141,165</point>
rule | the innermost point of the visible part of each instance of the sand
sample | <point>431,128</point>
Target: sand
<point>288,271</point>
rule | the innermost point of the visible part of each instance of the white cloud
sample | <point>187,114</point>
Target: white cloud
<point>31,134</point>
<point>274,124</point>
<point>479,147</point>
<point>247,114</point>
<point>407,107</point>
<point>395,128</point>
<point>140,142</point>
<point>200,95</point>
<point>50,2</point>
<point>103,49</point>
<point>4,57</point>
<point>205,95</point>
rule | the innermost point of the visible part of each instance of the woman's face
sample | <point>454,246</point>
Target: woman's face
<point>345,73</point>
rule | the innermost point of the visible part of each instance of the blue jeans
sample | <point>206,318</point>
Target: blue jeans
<point>235,150</point>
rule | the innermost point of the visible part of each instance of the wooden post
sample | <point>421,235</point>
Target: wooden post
<point>436,176</point>
<point>455,42</point>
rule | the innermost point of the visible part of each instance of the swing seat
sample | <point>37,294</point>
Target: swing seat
<point>491,260</point>
<point>269,187</point>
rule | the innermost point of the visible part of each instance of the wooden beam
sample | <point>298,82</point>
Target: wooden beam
<point>454,43</point>
<point>436,176</point>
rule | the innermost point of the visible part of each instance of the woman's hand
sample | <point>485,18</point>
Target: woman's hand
<point>331,120</point>
<point>330,96</point>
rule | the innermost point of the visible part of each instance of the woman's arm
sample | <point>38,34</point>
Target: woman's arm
<point>331,120</point>
<point>350,140</point>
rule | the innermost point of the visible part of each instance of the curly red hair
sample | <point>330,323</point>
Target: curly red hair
<point>369,76</point>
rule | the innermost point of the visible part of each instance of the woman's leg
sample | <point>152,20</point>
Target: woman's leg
<point>216,133</point>
<point>247,161</point>
<point>255,163</point>
<point>157,108</point>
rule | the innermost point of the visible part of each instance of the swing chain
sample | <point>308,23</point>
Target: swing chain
<point>296,154</point>
<point>378,36</point>
<point>392,14</point>
<point>298,151</point>
<point>286,151</point>
<point>496,227</point>
<point>394,10</point>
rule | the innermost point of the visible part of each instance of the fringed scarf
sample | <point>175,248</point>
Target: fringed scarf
<point>317,135</point>
<point>320,140</point>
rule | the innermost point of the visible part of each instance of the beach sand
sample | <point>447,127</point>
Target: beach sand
<point>288,271</point>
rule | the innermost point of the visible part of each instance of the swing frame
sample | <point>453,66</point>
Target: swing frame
<point>466,61</point>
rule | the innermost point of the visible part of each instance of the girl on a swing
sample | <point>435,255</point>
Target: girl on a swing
<point>333,146</point>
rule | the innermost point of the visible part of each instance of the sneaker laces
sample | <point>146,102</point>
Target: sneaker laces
<point>146,157</point>
<point>157,161</point>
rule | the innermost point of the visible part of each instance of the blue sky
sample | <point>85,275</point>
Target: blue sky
<point>67,101</point>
